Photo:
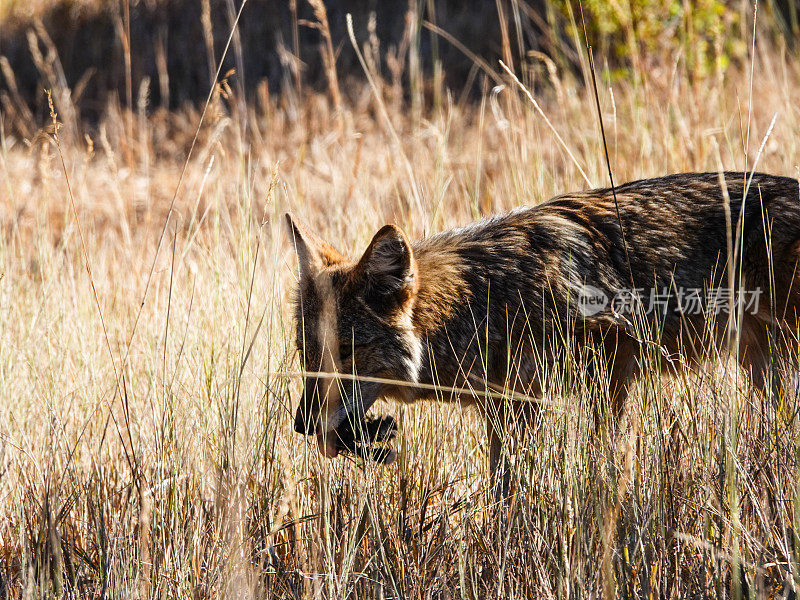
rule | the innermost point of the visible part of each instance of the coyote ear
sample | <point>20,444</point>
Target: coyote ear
<point>388,265</point>
<point>313,253</point>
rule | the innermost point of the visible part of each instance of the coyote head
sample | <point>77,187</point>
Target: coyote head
<point>354,317</point>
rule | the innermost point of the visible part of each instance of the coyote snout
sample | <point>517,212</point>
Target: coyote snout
<point>307,417</point>
<point>499,303</point>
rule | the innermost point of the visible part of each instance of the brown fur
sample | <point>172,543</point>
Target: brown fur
<point>497,301</point>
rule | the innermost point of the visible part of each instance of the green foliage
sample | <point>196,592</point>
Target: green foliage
<point>705,34</point>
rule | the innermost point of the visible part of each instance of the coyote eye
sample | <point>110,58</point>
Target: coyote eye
<point>345,351</point>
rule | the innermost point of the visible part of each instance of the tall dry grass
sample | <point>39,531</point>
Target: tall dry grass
<point>145,429</point>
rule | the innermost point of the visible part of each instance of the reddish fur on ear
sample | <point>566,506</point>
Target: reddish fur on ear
<point>314,253</point>
<point>388,265</point>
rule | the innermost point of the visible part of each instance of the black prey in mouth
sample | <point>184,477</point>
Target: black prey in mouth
<point>368,438</point>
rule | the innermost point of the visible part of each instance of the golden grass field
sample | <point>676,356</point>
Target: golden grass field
<point>148,378</point>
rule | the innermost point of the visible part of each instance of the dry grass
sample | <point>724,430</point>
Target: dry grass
<point>147,446</point>
<point>24,9</point>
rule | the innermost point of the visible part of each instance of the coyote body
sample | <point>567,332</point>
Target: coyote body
<point>497,302</point>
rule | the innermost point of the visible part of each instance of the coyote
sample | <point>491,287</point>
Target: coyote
<point>493,305</point>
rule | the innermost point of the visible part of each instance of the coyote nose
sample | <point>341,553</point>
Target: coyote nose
<point>305,419</point>
<point>303,422</point>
